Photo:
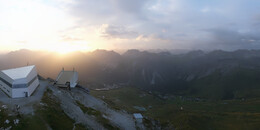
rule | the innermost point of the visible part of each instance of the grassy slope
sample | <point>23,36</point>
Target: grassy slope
<point>228,114</point>
<point>52,114</point>
<point>239,83</point>
<point>98,115</point>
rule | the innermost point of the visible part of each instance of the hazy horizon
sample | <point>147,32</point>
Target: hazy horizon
<point>86,25</point>
<point>121,51</point>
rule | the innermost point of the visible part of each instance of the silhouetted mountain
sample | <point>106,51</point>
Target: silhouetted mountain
<point>216,75</point>
<point>107,58</point>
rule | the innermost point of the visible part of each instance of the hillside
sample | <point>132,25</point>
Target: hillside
<point>184,113</point>
<point>212,75</point>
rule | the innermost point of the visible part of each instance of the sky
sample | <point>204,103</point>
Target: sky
<point>86,25</point>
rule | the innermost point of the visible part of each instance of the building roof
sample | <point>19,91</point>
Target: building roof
<point>137,115</point>
<point>18,73</point>
<point>65,76</point>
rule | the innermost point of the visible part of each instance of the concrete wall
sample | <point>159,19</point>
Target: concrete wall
<point>6,88</point>
<point>32,87</point>
<point>74,80</point>
<point>31,75</point>
<point>19,92</point>
<point>35,83</point>
<point>139,120</point>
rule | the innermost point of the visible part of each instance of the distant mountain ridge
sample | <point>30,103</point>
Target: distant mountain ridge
<point>216,75</point>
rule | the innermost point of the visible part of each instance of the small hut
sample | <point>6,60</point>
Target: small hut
<point>68,79</point>
<point>138,117</point>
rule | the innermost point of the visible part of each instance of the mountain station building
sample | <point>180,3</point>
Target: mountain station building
<point>19,82</point>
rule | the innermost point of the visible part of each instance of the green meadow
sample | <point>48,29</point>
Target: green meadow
<point>182,113</point>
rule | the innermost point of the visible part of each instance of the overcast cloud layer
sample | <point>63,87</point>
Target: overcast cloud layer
<point>163,24</point>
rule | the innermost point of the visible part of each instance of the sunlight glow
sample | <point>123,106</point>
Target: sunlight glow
<point>37,25</point>
<point>65,48</point>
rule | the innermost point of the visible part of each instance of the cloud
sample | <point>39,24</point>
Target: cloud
<point>231,39</point>
<point>182,24</point>
<point>256,22</point>
<point>113,31</point>
<point>71,38</point>
<point>130,6</point>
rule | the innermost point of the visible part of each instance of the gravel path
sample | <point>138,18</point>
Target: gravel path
<point>118,118</point>
<point>122,120</point>
<point>73,111</point>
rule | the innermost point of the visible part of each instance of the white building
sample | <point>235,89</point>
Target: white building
<point>138,117</point>
<point>19,82</point>
<point>67,79</point>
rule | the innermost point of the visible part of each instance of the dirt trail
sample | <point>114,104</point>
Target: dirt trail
<point>73,111</point>
<point>120,119</point>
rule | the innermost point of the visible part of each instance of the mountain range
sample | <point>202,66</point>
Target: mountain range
<point>211,75</point>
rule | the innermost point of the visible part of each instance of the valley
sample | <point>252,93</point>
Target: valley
<point>183,113</point>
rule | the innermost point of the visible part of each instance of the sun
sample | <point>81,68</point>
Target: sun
<point>66,48</point>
